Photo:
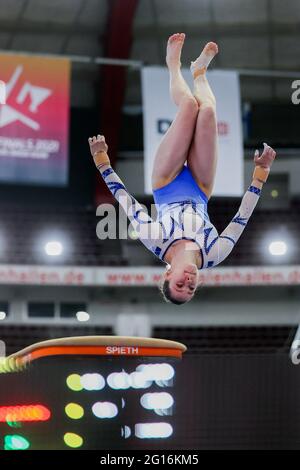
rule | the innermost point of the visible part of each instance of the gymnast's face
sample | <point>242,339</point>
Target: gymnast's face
<point>183,280</point>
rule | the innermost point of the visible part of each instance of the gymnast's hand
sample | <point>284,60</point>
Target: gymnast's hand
<point>266,159</point>
<point>98,148</point>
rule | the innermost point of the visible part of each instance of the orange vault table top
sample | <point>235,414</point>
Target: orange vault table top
<point>99,346</point>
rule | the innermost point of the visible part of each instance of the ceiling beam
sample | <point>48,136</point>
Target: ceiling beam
<point>229,29</point>
<point>219,29</point>
<point>22,26</point>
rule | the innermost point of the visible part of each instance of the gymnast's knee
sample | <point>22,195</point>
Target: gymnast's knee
<point>190,104</point>
<point>208,115</point>
<point>208,106</point>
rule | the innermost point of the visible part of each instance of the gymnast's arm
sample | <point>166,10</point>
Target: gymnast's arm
<point>148,230</point>
<point>229,237</point>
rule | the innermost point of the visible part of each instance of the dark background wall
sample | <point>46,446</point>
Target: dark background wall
<point>234,401</point>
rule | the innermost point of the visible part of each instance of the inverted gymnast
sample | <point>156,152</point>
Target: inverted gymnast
<point>182,181</point>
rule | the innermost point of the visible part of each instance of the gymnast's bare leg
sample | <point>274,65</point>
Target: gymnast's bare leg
<point>174,147</point>
<point>203,155</point>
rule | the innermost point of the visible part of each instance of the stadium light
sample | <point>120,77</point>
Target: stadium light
<point>16,442</point>
<point>53,248</point>
<point>82,316</point>
<point>104,409</point>
<point>54,245</point>
<point>92,381</point>
<point>73,440</point>
<point>24,413</point>
<point>2,315</point>
<point>74,411</point>
<point>153,430</point>
<point>278,248</point>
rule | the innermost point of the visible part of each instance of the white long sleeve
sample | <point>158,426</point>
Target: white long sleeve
<point>147,229</point>
<point>226,241</point>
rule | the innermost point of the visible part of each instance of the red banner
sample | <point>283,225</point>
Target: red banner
<point>34,121</point>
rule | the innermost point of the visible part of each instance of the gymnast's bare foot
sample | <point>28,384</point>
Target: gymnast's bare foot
<point>174,47</point>
<point>202,62</point>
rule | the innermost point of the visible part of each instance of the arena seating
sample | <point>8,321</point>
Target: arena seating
<point>199,340</point>
<point>22,232</point>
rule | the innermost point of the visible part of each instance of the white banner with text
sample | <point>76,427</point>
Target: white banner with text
<point>144,276</point>
<point>159,112</point>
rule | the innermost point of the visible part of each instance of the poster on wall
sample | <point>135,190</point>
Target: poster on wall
<point>34,120</point>
<point>159,112</point>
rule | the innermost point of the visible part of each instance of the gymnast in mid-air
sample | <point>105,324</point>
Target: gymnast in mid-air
<point>182,236</point>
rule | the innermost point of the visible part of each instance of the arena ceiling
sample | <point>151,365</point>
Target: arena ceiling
<point>252,34</point>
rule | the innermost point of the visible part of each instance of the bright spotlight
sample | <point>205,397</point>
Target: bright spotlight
<point>53,248</point>
<point>153,430</point>
<point>156,371</point>
<point>139,380</point>
<point>104,409</point>
<point>119,380</point>
<point>82,316</point>
<point>278,248</point>
<point>2,315</point>
<point>92,381</point>
<point>152,401</point>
